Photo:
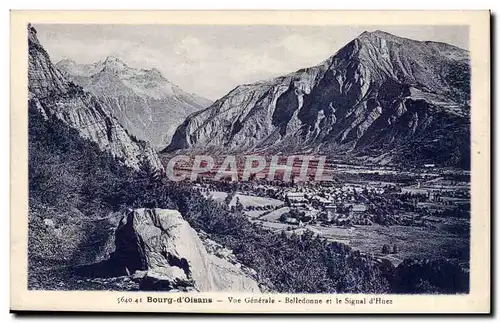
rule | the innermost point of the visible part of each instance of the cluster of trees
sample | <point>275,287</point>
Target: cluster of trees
<point>404,179</point>
<point>72,183</point>
<point>417,276</point>
<point>458,211</point>
<point>298,215</point>
<point>68,173</point>
<point>266,207</point>
<point>386,249</point>
<point>413,197</point>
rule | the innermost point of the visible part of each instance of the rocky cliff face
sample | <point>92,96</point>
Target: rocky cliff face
<point>162,248</point>
<point>53,95</point>
<point>145,103</point>
<point>378,96</point>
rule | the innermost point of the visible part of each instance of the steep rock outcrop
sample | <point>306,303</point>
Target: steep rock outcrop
<point>53,95</point>
<point>149,106</point>
<point>379,94</point>
<point>164,245</point>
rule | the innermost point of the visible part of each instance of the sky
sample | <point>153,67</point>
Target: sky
<point>212,60</point>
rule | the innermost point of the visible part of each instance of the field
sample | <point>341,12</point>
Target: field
<point>217,196</point>
<point>275,215</point>
<point>410,241</point>
<point>248,200</point>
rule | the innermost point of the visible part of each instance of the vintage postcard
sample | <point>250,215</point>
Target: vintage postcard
<point>250,161</point>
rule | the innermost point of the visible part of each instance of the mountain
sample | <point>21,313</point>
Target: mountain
<point>54,96</point>
<point>380,97</point>
<point>145,103</point>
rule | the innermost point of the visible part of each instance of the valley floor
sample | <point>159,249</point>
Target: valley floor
<point>430,224</point>
<point>411,241</point>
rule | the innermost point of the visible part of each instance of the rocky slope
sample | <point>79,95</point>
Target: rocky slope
<point>146,104</point>
<point>53,95</point>
<point>380,96</point>
<point>162,249</point>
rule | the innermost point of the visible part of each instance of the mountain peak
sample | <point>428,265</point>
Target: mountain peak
<point>379,93</point>
<point>32,35</point>
<point>154,72</point>
<point>66,61</point>
<point>112,59</point>
<point>114,64</point>
<point>379,34</point>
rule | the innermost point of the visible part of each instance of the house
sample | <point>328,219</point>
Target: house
<point>321,202</point>
<point>356,207</point>
<point>325,217</point>
<point>296,199</point>
<point>331,208</point>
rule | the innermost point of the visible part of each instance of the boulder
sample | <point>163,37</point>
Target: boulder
<point>165,279</point>
<point>138,275</point>
<point>162,243</point>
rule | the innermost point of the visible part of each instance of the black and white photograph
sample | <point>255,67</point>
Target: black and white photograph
<point>297,159</point>
<point>310,165</point>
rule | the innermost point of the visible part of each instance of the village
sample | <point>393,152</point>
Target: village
<point>386,214</point>
<point>342,204</point>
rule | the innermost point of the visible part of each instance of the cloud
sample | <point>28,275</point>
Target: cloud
<point>192,49</point>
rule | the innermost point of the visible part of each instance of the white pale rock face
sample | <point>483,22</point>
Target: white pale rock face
<point>366,82</point>
<point>53,95</point>
<point>159,240</point>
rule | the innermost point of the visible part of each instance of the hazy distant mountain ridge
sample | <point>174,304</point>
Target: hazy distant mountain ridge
<point>146,103</point>
<point>377,96</point>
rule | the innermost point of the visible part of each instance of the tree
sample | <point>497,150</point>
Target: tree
<point>228,198</point>
<point>283,217</point>
<point>239,206</point>
<point>395,249</point>
<point>386,249</point>
<point>287,201</point>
